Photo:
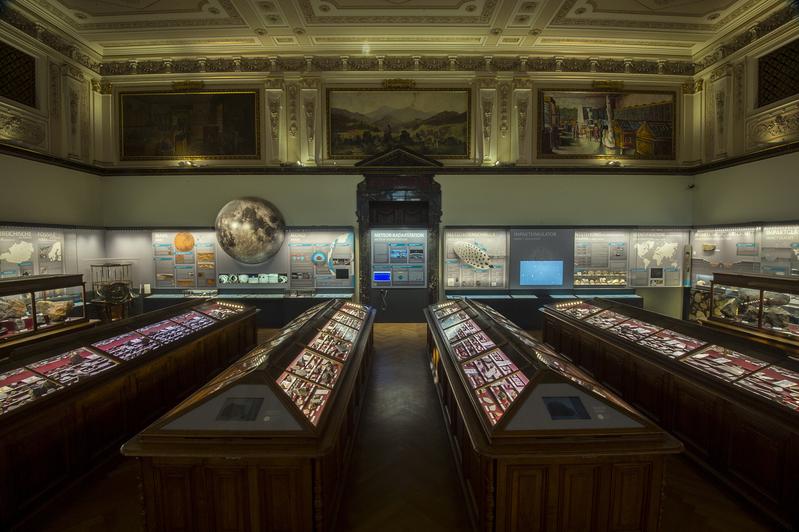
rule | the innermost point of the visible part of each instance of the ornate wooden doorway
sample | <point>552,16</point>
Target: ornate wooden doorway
<point>399,191</point>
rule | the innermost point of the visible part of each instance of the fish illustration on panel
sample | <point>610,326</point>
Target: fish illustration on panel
<point>472,255</point>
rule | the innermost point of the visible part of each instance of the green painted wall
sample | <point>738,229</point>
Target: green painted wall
<point>761,191</point>
<point>566,199</point>
<point>43,193</point>
<point>666,301</point>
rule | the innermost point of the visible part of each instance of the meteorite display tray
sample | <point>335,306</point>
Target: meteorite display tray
<point>516,383</point>
<point>286,384</point>
<point>28,377</point>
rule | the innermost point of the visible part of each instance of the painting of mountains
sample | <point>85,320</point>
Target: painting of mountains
<point>363,122</point>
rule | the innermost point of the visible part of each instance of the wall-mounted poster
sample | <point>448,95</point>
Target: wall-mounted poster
<point>600,258</point>
<point>399,258</point>
<point>657,257</point>
<point>321,259</point>
<point>25,251</point>
<point>780,250</point>
<point>476,258</point>
<point>363,122</point>
<point>576,124</point>
<point>724,249</point>
<point>185,125</point>
<point>184,259</point>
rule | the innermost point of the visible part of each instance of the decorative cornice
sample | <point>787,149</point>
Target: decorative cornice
<point>67,48</point>
<point>18,129</point>
<point>747,36</point>
<point>777,126</point>
<point>399,63</point>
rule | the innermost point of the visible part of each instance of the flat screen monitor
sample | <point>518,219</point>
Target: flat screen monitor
<point>541,273</point>
<point>381,277</point>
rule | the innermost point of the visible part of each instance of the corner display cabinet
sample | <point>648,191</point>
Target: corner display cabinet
<point>37,306</point>
<point>731,400</point>
<point>266,444</point>
<point>68,402</point>
<point>765,308</point>
<point>539,444</point>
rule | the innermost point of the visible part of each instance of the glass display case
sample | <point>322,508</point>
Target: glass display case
<point>33,304</point>
<point>280,385</point>
<point>21,386</point>
<point>633,330</point>
<point>776,384</point>
<point>221,310</point>
<point>73,366</point>
<point>764,306</point>
<point>671,343</point>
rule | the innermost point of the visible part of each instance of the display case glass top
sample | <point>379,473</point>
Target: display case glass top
<point>671,344</point>
<point>21,386</point>
<point>221,309</point>
<point>577,309</point>
<point>633,330</point>
<point>606,319</point>
<point>777,384</point>
<point>518,384</point>
<point>285,385</point>
<point>73,366</point>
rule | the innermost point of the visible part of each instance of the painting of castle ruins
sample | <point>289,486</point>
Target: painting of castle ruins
<point>602,124</point>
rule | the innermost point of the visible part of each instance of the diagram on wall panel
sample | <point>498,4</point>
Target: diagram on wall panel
<point>25,251</point>
<point>780,250</point>
<point>657,257</point>
<point>184,259</point>
<point>601,258</point>
<point>476,258</point>
<point>321,259</point>
<point>724,249</point>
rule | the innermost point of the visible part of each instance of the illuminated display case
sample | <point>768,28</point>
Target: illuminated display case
<point>513,407</point>
<point>730,393</point>
<point>39,303</point>
<point>283,404</point>
<point>765,307</point>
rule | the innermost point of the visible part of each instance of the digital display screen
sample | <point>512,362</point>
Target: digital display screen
<point>541,273</point>
<point>381,277</point>
<point>565,408</point>
<point>656,273</point>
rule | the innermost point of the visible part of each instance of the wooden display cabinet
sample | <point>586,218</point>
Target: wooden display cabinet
<point>733,401</point>
<point>266,444</point>
<point>66,404</point>
<point>766,309</point>
<point>539,444</point>
<point>40,306</point>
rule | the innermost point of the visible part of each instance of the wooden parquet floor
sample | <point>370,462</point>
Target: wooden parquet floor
<point>402,477</point>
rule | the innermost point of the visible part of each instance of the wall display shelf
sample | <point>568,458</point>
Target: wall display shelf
<point>520,417</point>
<point>287,412</point>
<point>67,402</point>
<point>731,399</point>
<point>38,306</point>
<point>762,307</point>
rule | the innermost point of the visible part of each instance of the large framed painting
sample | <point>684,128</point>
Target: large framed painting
<point>364,122</point>
<point>186,125</point>
<point>583,124</point>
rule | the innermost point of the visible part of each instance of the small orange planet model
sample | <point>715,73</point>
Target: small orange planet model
<point>184,241</point>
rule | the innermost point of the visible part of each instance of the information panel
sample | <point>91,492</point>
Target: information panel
<point>541,258</point>
<point>724,249</point>
<point>600,258</point>
<point>656,257</point>
<point>321,259</point>
<point>780,250</point>
<point>184,259</point>
<point>399,258</point>
<point>476,258</point>
<point>25,251</point>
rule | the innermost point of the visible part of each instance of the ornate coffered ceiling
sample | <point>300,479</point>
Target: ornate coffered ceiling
<point>149,29</point>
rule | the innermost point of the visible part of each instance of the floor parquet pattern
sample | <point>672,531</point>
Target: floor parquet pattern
<point>402,477</point>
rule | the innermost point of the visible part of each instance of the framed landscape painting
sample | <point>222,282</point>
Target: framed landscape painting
<point>186,125</point>
<point>606,124</point>
<point>364,122</point>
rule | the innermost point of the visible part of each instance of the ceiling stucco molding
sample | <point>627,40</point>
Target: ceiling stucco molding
<point>295,64</point>
<point>747,36</point>
<point>562,19</point>
<point>38,30</point>
<point>312,18</point>
<point>233,18</point>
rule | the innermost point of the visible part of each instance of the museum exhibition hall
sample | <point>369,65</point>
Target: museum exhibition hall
<point>399,265</point>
